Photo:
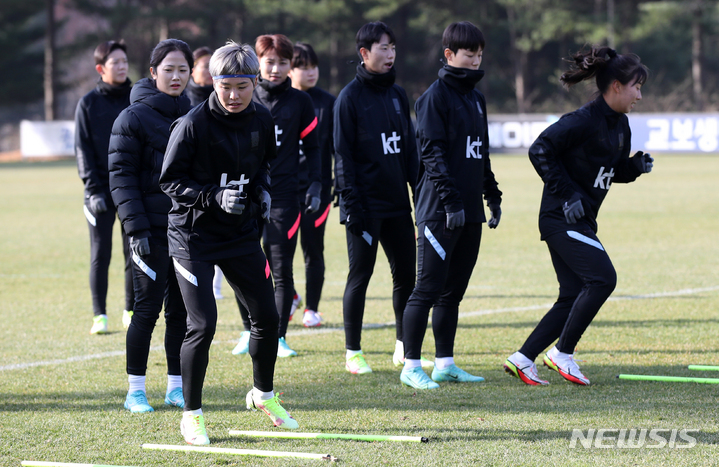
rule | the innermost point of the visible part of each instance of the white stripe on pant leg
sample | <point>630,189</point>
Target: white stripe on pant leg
<point>145,268</point>
<point>585,239</point>
<point>435,244</point>
<point>191,278</point>
<point>90,218</point>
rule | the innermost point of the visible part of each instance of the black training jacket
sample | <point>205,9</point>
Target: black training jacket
<point>197,94</point>
<point>96,112</point>
<point>453,141</point>
<point>211,148</point>
<point>137,147</point>
<point>323,103</point>
<point>294,116</point>
<point>584,152</point>
<point>375,147</point>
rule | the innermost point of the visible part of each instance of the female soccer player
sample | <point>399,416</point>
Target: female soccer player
<point>137,147</point>
<point>455,173</point>
<point>376,157</point>
<point>295,121</point>
<point>578,158</point>
<point>216,171</point>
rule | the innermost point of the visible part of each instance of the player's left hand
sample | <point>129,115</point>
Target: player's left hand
<point>312,198</point>
<point>643,161</point>
<point>496,216</point>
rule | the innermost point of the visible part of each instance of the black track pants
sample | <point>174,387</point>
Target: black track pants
<point>155,283</point>
<point>100,226</point>
<point>586,279</point>
<point>396,235</point>
<point>249,276</point>
<point>280,243</point>
<point>312,241</point>
<point>445,261</point>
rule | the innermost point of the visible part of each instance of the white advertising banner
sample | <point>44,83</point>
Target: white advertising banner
<point>47,139</point>
<point>667,132</point>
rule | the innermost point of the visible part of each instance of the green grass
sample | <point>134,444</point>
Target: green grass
<point>660,231</point>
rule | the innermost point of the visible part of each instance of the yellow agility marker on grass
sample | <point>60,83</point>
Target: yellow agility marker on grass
<point>65,464</point>
<point>238,452</point>
<point>292,435</point>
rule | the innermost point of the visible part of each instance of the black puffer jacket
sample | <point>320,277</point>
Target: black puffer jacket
<point>94,116</point>
<point>137,148</point>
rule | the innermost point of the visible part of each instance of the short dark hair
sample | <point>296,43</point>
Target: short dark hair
<point>200,52</point>
<point>277,42</point>
<point>462,35</point>
<point>371,33</point>
<point>103,50</point>
<point>170,45</point>
<point>304,56</point>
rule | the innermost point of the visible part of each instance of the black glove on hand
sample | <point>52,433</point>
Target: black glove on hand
<point>355,224</point>
<point>233,201</point>
<point>496,216</point>
<point>455,219</point>
<point>265,201</point>
<point>140,246</point>
<point>643,161</point>
<point>98,204</point>
<point>312,199</point>
<point>573,209</point>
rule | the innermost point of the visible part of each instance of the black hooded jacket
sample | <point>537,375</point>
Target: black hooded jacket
<point>211,148</point>
<point>197,93</point>
<point>96,112</point>
<point>375,147</point>
<point>295,120</point>
<point>137,147</point>
<point>582,153</point>
<point>452,136</point>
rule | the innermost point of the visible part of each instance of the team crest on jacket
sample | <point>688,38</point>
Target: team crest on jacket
<point>473,148</point>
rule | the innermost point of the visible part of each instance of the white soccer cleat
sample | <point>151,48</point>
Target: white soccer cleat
<point>311,319</point>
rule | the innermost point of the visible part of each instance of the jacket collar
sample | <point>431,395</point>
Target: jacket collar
<point>114,90</point>
<point>462,79</point>
<point>145,91</point>
<point>233,120</point>
<point>378,81</point>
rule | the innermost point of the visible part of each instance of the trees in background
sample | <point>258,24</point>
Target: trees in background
<point>526,41</point>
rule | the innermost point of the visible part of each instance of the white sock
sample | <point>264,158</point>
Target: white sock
<point>192,413</point>
<point>399,347</point>
<point>174,381</point>
<point>410,363</point>
<point>137,383</point>
<point>443,362</point>
<point>263,396</point>
<point>352,353</point>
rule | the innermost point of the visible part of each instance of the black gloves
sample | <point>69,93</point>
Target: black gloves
<point>496,211</point>
<point>312,199</point>
<point>455,219</point>
<point>233,201</point>
<point>98,204</point>
<point>355,224</point>
<point>140,245</point>
<point>573,209</point>
<point>644,162</point>
<point>265,201</point>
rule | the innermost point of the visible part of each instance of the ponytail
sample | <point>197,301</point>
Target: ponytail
<point>605,65</point>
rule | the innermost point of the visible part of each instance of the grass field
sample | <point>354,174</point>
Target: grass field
<point>61,390</point>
